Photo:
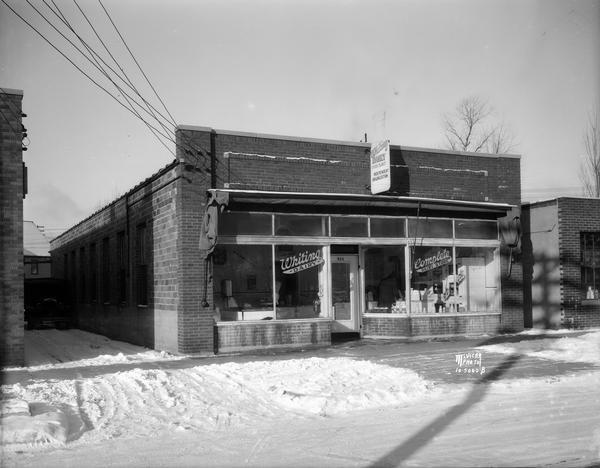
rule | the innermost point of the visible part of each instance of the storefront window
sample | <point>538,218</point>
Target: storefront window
<point>243,278</point>
<point>590,264</point>
<point>467,229</point>
<point>435,288</point>
<point>348,226</point>
<point>289,225</point>
<point>477,280</point>
<point>425,227</point>
<point>299,281</point>
<point>385,279</point>
<point>387,227</point>
<point>249,224</point>
<point>430,283</point>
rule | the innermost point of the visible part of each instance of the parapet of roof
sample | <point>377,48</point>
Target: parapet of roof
<point>339,142</point>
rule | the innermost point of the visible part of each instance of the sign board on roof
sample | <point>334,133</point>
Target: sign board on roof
<point>380,167</point>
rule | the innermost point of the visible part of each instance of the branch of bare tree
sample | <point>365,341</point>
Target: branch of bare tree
<point>471,128</point>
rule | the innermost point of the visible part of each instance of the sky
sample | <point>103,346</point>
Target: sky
<point>322,69</point>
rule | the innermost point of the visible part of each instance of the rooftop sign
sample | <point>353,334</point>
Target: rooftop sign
<point>380,167</point>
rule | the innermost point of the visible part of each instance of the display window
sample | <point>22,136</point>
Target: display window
<point>441,284</point>
<point>430,275</point>
<point>477,280</point>
<point>251,284</point>
<point>384,279</point>
<point>299,281</point>
<point>242,279</point>
<point>291,276</point>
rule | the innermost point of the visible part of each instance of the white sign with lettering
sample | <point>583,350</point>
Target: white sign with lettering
<point>301,261</point>
<point>381,177</point>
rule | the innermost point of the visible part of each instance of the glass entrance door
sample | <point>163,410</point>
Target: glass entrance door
<point>344,292</point>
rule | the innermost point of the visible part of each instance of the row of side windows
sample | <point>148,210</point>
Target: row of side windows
<point>82,272</point>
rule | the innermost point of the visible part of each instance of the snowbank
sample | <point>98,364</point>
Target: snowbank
<point>108,402</point>
<point>41,425</point>
<point>51,349</point>
<point>141,402</point>
<point>77,390</point>
<point>583,348</point>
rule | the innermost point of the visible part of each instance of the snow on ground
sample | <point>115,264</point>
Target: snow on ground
<point>84,390</point>
<point>50,349</point>
<point>583,348</point>
<point>140,401</point>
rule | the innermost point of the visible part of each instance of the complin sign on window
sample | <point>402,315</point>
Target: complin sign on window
<point>380,167</point>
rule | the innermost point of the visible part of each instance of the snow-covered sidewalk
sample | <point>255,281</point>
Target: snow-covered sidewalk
<point>82,391</point>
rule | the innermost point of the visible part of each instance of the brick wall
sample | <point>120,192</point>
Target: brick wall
<point>575,215</point>
<point>239,336</point>
<point>261,162</point>
<point>11,229</point>
<point>179,314</point>
<point>442,325</point>
<point>152,205</point>
<point>397,326</point>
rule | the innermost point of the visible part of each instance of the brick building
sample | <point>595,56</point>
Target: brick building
<point>250,241</point>
<point>561,261</point>
<point>11,228</point>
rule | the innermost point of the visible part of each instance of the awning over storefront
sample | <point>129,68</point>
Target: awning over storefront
<point>249,200</point>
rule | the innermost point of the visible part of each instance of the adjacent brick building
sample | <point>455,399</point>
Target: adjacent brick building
<point>250,241</point>
<point>11,228</point>
<point>561,261</point>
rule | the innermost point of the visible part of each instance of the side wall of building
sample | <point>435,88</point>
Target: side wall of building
<point>542,278</point>
<point>11,230</point>
<point>123,265</point>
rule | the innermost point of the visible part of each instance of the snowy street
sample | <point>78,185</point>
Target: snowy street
<point>526,399</point>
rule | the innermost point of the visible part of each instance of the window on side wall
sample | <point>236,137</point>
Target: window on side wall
<point>122,259</point>
<point>590,265</point>
<point>105,270</point>
<point>141,254</point>
<point>82,278</point>
<point>93,273</point>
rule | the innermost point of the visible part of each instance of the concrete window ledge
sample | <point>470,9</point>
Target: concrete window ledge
<point>232,323</point>
<point>404,316</point>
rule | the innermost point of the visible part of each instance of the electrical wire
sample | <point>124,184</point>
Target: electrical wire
<point>85,56</point>
<point>76,66</point>
<point>136,62</point>
<point>117,63</point>
<point>188,147</point>
<point>105,73</point>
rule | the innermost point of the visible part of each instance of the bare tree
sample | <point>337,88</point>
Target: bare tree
<point>589,170</point>
<point>472,127</point>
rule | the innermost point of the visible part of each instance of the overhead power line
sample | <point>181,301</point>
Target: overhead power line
<point>196,150</point>
<point>136,62</point>
<point>117,63</point>
<point>75,65</point>
<point>99,68</point>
